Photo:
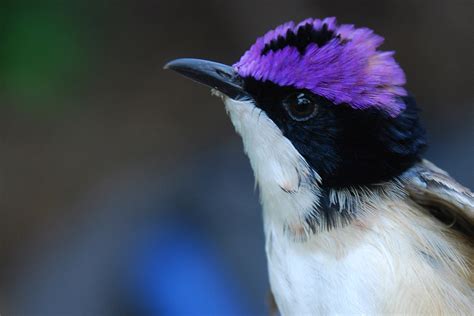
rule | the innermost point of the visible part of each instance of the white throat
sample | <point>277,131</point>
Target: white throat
<point>289,189</point>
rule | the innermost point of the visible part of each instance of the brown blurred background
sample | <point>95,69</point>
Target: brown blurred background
<point>95,138</point>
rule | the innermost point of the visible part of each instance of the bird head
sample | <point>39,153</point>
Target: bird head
<point>318,105</point>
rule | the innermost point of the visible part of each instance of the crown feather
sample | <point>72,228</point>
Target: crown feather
<point>338,62</point>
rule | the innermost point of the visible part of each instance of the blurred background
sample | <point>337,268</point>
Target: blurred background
<point>123,188</point>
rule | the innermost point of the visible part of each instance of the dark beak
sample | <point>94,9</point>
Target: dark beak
<point>215,75</point>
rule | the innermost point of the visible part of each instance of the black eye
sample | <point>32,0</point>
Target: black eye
<point>300,106</point>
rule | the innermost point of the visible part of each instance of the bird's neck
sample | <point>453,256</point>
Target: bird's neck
<point>291,192</point>
<point>310,209</point>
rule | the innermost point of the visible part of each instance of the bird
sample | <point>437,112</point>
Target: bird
<point>356,220</point>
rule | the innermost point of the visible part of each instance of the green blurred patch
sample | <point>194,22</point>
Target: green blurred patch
<point>41,56</point>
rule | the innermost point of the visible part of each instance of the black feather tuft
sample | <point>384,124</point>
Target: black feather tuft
<point>305,35</point>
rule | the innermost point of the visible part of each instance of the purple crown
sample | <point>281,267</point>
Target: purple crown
<point>338,62</point>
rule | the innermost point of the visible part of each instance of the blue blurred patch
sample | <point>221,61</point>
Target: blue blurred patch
<point>177,272</point>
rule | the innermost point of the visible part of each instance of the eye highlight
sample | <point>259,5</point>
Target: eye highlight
<point>300,106</point>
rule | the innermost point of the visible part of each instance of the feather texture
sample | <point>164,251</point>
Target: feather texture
<point>433,188</point>
<point>339,62</point>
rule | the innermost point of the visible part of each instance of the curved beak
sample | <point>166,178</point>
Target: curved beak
<point>215,75</point>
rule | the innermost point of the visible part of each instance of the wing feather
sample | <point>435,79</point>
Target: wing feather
<point>436,190</point>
